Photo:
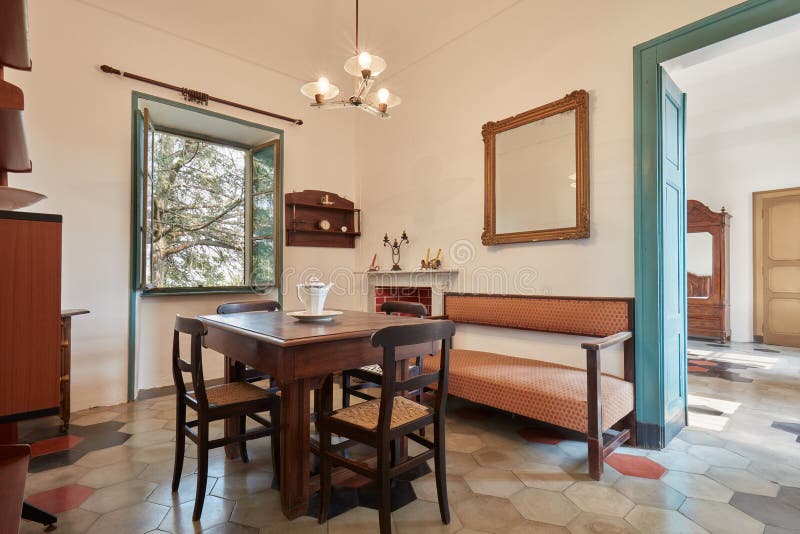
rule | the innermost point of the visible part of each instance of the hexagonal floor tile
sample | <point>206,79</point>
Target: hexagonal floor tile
<point>119,496</point>
<point>457,489</point>
<point>720,517</point>
<point>587,523</point>
<point>544,476</point>
<point>636,466</point>
<point>59,500</point>
<point>718,456</point>
<point>697,486</point>
<point>497,458</point>
<point>743,481</point>
<point>463,442</point>
<point>545,506</point>
<point>650,492</point>
<point>599,499</point>
<point>495,482</point>
<point>658,521</point>
<point>484,513</point>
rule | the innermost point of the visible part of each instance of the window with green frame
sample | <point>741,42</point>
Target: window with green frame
<point>206,210</point>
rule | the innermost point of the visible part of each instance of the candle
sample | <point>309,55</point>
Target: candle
<point>438,254</point>
<point>428,256</point>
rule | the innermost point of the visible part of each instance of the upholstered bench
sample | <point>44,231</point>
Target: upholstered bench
<point>584,400</point>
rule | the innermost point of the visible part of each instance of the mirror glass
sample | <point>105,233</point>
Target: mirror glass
<point>535,184</point>
<point>699,264</point>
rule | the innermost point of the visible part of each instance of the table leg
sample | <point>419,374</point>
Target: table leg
<point>295,447</point>
<point>233,373</point>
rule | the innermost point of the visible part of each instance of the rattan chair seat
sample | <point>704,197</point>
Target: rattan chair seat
<point>233,393</point>
<point>365,414</point>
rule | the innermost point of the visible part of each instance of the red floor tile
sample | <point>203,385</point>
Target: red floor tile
<point>61,499</point>
<point>541,435</point>
<point>636,466</point>
<point>47,446</point>
<point>697,369</point>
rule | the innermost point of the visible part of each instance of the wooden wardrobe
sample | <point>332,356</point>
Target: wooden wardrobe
<point>708,292</point>
<point>30,315</point>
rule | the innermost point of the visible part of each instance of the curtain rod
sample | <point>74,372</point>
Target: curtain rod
<point>190,95</point>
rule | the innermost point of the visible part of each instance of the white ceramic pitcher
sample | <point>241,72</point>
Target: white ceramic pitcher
<point>315,293</point>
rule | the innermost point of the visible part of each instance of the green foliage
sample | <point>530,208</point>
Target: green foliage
<point>196,214</point>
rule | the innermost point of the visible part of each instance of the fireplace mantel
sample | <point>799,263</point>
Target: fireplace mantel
<point>439,280</point>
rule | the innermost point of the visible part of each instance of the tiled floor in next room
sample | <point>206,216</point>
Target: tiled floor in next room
<point>735,469</point>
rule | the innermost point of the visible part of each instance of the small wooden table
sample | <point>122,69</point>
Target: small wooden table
<point>299,356</point>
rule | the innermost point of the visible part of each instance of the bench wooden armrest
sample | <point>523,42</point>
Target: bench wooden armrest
<point>598,449</point>
<point>607,341</point>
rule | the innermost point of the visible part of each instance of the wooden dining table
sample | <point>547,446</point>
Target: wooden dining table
<point>298,355</point>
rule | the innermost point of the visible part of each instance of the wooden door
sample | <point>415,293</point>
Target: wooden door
<point>781,270</point>
<point>673,232</point>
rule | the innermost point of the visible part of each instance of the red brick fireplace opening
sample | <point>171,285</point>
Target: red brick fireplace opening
<point>421,295</point>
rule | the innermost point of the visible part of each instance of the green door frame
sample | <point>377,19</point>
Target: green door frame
<point>647,183</point>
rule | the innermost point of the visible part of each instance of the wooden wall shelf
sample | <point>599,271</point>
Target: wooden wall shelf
<point>304,212</point>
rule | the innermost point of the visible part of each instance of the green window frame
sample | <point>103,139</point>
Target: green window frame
<point>262,209</point>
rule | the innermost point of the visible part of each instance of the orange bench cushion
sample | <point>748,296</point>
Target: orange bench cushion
<point>548,392</point>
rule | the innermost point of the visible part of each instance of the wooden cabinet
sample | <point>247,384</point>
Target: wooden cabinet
<point>30,314</point>
<point>708,291</point>
<point>305,213</point>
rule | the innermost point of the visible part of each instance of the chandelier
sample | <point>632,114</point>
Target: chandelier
<point>364,67</point>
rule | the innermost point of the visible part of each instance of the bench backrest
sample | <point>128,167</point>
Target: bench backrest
<point>580,316</point>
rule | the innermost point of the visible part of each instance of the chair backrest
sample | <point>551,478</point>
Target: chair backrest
<point>248,306</point>
<point>195,329</point>
<point>405,342</point>
<point>409,308</point>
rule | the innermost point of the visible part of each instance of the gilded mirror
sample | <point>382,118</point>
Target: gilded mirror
<point>537,174</point>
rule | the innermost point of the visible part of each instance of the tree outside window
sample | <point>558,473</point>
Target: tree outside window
<point>208,211</point>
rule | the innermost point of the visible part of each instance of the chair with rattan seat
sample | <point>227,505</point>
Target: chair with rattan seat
<point>370,376</point>
<point>246,373</point>
<point>380,422</point>
<point>237,399</point>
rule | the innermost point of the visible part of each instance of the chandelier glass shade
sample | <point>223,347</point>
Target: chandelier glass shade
<point>364,67</point>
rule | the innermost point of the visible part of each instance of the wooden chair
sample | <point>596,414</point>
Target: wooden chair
<point>372,375</point>
<point>380,422</point>
<point>236,369</point>
<point>240,399</point>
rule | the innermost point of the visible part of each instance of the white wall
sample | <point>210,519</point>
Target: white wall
<point>423,169</point>
<point>743,130</point>
<point>79,130</point>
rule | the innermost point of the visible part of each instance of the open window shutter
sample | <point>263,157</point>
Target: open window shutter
<point>263,204</point>
<point>144,170</point>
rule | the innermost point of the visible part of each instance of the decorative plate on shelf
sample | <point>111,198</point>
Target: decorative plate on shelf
<point>308,317</point>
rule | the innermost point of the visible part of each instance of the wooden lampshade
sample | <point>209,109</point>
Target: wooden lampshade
<point>14,50</point>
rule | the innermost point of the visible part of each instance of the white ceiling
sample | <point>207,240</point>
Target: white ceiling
<point>746,84</point>
<point>304,39</point>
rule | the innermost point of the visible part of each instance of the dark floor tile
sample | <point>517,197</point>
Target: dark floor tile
<point>402,494</point>
<point>342,500</point>
<point>790,496</point>
<point>54,460</point>
<point>769,510</point>
<point>771,351</point>
<point>791,428</point>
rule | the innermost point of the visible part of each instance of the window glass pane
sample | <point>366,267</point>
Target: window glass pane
<point>263,214</point>
<point>264,169</point>
<point>263,263</point>
<point>196,213</point>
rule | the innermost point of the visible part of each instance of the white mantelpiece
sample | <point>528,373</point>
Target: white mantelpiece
<point>439,280</point>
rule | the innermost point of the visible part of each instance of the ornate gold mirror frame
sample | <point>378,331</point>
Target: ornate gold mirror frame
<point>577,101</point>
